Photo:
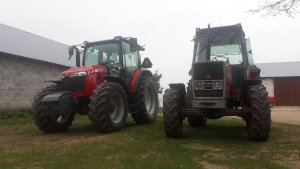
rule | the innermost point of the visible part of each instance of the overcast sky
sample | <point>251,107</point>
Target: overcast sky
<point>166,27</point>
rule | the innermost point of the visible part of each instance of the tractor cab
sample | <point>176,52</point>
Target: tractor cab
<point>221,44</point>
<point>218,50</point>
<point>117,57</point>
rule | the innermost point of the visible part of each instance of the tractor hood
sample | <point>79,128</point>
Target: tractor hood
<point>85,70</point>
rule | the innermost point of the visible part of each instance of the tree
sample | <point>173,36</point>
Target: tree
<point>278,7</point>
<point>157,76</point>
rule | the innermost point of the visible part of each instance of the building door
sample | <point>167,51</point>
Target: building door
<point>287,91</point>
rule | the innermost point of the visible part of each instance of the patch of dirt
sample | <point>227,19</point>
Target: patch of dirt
<point>286,114</point>
<point>292,160</point>
<point>201,147</point>
<point>47,142</point>
<point>207,165</point>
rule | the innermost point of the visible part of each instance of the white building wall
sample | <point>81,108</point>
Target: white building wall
<point>269,84</point>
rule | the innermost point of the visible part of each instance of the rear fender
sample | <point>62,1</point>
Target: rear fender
<point>254,73</point>
<point>134,81</point>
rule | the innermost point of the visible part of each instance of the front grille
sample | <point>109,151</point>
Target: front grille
<point>212,69</point>
<point>208,93</point>
<point>73,84</point>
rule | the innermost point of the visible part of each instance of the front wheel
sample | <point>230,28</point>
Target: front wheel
<point>171,113</point>
<point>259,122</point>
<point>108,107</point>
<point>49,123</point>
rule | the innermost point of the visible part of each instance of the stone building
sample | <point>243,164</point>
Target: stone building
<point>26,61</point>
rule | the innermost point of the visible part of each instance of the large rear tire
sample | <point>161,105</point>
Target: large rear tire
<point>259,122</point>
<point>145,101</point>
<point>108,107</point>
<point>171,113</point>
<point>45,122</point>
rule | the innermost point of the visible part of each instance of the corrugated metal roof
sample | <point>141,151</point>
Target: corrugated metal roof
<point>22,43</point>
<point>280,69</point>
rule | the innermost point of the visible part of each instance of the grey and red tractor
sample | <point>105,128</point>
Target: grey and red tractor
<point>224,82</point>
<point>110,82</point>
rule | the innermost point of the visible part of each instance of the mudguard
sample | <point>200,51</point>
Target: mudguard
<point>134,82</point>
<point>58,102</point>
<point>55,96</point>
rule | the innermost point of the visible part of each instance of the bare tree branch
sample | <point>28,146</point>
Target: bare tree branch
<point>278,7</point>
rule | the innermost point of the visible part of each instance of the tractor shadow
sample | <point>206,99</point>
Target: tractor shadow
<point>216,131</point>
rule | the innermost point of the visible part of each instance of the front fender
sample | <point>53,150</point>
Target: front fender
<point>58,103</point>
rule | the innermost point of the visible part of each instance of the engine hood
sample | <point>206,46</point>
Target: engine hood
<point>82,69</point>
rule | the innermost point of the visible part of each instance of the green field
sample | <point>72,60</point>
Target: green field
<point>221,144</point>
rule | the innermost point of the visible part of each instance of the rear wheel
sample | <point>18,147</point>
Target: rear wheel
<point>108,107</point>
<point>259,122</point>
<point>145,101</point>
<point>171,113</point>
<point>49,123</point>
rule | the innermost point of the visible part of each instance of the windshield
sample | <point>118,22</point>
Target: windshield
<point>225,47</point>
<point>101,54</point>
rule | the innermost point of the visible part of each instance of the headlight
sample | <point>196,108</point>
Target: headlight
<point>75,74</point>
<point>218,84</point>
<point>199,85</point>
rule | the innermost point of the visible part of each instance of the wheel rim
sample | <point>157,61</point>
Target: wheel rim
<point>116,108</point>
<point>150,100</point>
<point>61,119</point>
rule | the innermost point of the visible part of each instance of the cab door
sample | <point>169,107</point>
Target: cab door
<point>130,61</point>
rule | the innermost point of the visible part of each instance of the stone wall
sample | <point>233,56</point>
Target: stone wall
<point>21,78</point>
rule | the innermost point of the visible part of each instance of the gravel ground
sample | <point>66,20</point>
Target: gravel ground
<point>286,114</point>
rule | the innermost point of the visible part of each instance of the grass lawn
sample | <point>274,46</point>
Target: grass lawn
<point>221,144</point>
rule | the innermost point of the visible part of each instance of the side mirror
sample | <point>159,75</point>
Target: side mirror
<point>71,52</point>
<point>146,63</point>
<point>133,44</point>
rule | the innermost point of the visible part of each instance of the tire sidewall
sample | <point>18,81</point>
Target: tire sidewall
<point>119,90</point>
<point>259,121</point>
<point>99,106</point>
<point>150,84</point>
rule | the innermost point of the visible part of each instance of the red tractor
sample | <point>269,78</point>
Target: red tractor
<point>224,82</point>
<point>111,82</point>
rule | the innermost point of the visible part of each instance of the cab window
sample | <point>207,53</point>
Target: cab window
<point>130,58</point>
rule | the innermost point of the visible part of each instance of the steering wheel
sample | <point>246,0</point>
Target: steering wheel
<point>215,58</point>
<point>108,62</point>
